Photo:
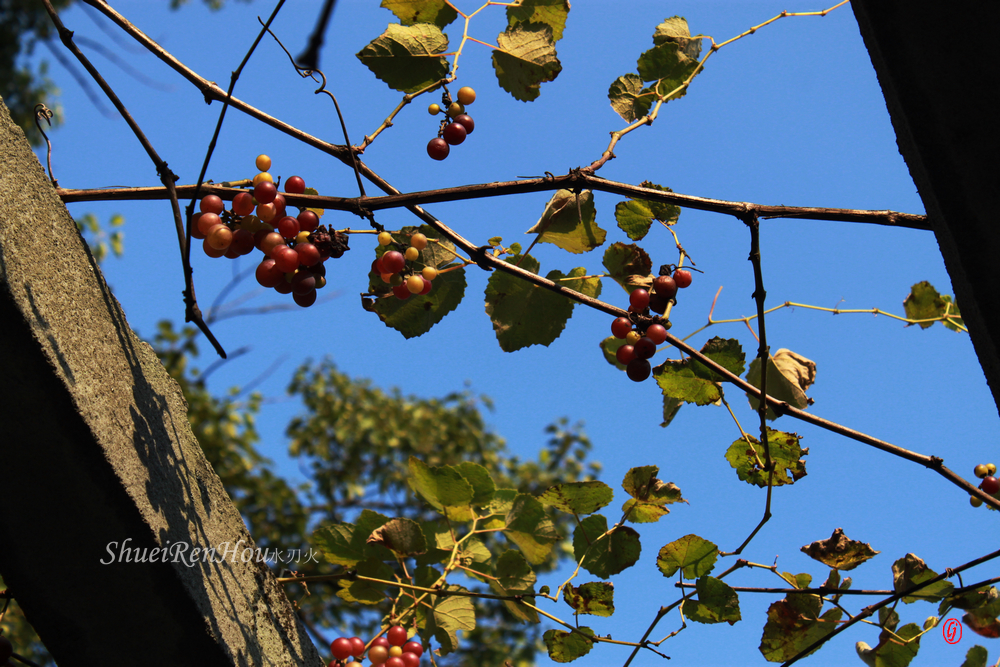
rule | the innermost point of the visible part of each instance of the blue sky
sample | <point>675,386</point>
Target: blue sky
<point>791,115</point>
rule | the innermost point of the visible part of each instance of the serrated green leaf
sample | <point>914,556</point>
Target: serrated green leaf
<point>629,265</point>
<point>923,303</point>
<point>595,598</point>
<point>976,657</point>
<point>411,12</point>
<point>502,502</point>
<point>801,580</point>
<point>675,30</point>
<point>909,571</point>
<point>407,58</point>
<point>568,222</point>
<point>524,314</point>
<point>672,60</point>
<point>443,487</point>
<point>606,555</point>
<point>578,497</point>
<point>974,599</point>
<point>530,528</point>
<point>366,592</point>
<point>642,484</point>
<point>416,315</point>
<point>789,376</point>
<point>717,602</point>
<point>404,537</point>
<point>793,624</point>
<point>839,551</point>
<point>630,98</point>
<point>525,60</point>
<point>693,382</point>
<point>568,646</point>
<point>890,651</point>
<point>552,13</point>
<point>443,616</point>
<point>347,543</point>
<point>694,555</point>
<point>748,459</point>
<point>635,216</point>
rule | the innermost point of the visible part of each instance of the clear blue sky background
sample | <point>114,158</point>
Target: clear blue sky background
<point>792,115</point>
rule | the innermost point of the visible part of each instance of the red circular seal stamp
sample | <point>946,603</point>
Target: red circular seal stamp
<point>952,631</point>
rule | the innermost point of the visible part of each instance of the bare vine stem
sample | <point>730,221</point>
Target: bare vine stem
<point>167,177</point>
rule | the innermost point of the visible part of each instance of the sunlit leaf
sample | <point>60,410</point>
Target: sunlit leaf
<point>526,59</point>
<point>578,497</point>
<point>569,222</point>
<point>568,646</point>
<point>629,265</point>
<point>717,602</point>
<point>630,98</point>
<point>695,555</point>
<point>789,375</point>
<point>407,58</point>
<point>411,12</point>
<point>839,551</point>
<point>909,571</point>
<point>748,459</point>
<point>552,13</point>
<point>605,555</point>
<point>595,598</point>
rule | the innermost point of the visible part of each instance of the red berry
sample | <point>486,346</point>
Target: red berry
<point>303,283</point>
<point>242,242</point>
<point>279,206</point>
<point>341,648</point>
<point>304,300</point>
<point>394,661</point>
<point>271,242</point>
<point>212,204</point>
<point>396,635</point>
<point>639,299</point>
<point>990,485</point>
<point>243,204</point>
<point>268,275</point>
<point>466,121</point>
<point>210,251</point>
<point>401,291</point>
<point>381,641</point>
<point>195,232</point>
<point>285,258</point>
<point>427,287</point>
<point>438,148</point>
<point>410,659</point>
<point>207,221</point>
<point>638,370</point>
<point>265,192</point>
<point>682,278</point>
<point>454,133</point>
<point>413,647</point>
<point>665,286</point>
<point>620,327</point>
<point>656,333</point>
<point>393,261</point>
<point>658,304</point>
<point>295,185</point>
<point>625,354</point>
<point>644,348</point>
<point>284,287</point>
<point>288,227</point>
<point>357,647</point>
<point>308,221</point>
<point>309,254</point>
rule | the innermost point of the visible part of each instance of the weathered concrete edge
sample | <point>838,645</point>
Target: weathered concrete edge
<point>96,448</point>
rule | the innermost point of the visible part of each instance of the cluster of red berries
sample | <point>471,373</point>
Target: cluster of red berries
<point>294,247</point>
<point>456,126</point>
<point>391,266</point>
<point>640,346</point>
<point>391,650</point>
<point>990,484</point>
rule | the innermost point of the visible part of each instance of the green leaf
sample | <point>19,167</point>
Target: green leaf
<point>974,599</point>
<point>925,303</point>
<point>670,408</point>
<point>479,479</point>
<point>801,580</point>
<point>513,576</point>
<point>416,315</point>
<point>675,30</point>
<point>649,495</point>
<point>693,382</point>
<point>569,222</point>
<point>890,651</point>
<point>793,624</point>
<point>347,543</point>
<point>672,60</point>
<point>630,99</point>
<point>976,657</point>
<point>525,60</point>
<point>909,571</point>
<point>578,497</point>
<point>694,555</point>
<point>404,537</point>
<point>748,459</point>
<point>612,553</point>
<point>366,592</point>
<point>635,216</point>
<point>789,375</point>
<point>442,616</point>
<point>524,314</point>
<point>529,528</point>
<point>552,13</point>
<point>717,602</point>
<point>629,265</point>
<point>609,347</point>
<point>411,12</point>
<point>595,598</point>
<point>568,646</point>
<point>407,58</point>
<point>839,551</point>
<point>443,487</point>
